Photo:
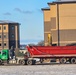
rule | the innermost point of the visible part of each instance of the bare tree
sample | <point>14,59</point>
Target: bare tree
<point>31,44</point>
<point>41,43</point>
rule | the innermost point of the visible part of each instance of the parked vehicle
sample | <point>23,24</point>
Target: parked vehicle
<point>62,54</point>
<point>4,56</point>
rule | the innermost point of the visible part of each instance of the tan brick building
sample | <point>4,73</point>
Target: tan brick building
<point>9,35</point>
<point>60,22</point>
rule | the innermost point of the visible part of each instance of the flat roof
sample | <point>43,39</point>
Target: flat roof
<point>47,8</point>
<point>61,2</point>
<point>7,22</point>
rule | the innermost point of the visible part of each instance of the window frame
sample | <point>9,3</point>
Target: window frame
<point>12,35</point>
<point>12,27</point>
<point>0,27</point>
<point>5,36</point>
<point>0,44</point>
<point>4,27</point>
<point>5,44</point>
<point>0,36</point>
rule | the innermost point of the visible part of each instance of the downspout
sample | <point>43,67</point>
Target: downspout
<point>58,24</point>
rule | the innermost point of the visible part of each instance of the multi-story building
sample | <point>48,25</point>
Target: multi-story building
<point>60,22</point>
<point>9,35</point>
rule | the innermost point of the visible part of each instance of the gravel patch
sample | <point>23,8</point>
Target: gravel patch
<point>66,69</point>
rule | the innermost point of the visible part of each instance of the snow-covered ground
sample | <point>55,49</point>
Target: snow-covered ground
<point>54,69</point>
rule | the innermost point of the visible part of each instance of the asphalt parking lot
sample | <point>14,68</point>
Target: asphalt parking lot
<point>46,69</point>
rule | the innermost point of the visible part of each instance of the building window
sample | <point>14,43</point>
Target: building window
<point>0,36</point>
<point>12,35</point>
<point>0,28</point>
<point>12,27</point>
<point>4,36</point>
<point>4,27</point>
<point>0,44</point>
<point>4,44</point>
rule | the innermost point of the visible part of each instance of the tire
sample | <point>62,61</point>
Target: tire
<point>23,62</point>
<point>63,60</point>
<point>33,62</point>
<point>41,60</point>
<point>7,61</point>
<point>0,62</point>
<point>20,61</point>
<point>73,60</point>
<point>29,62</point>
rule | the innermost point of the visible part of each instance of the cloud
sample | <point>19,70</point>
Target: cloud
<point>7,13</point>
<point>22,11</point>
<point>18,9</point>
<point>27,12</point>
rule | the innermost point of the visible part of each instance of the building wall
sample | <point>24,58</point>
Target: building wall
<point>47,26</point>
<point>6,37</point>
<point>14,35</point>
<point>4,44</point>
<point>54,22</point>
<point>65,16</point>
<point>50,23</point>
<point>67,23</point>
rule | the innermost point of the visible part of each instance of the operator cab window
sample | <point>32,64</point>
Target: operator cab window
<point>4,53</point>
<point>0,52</point>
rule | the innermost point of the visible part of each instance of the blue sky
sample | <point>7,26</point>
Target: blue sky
<point>28,13</point>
